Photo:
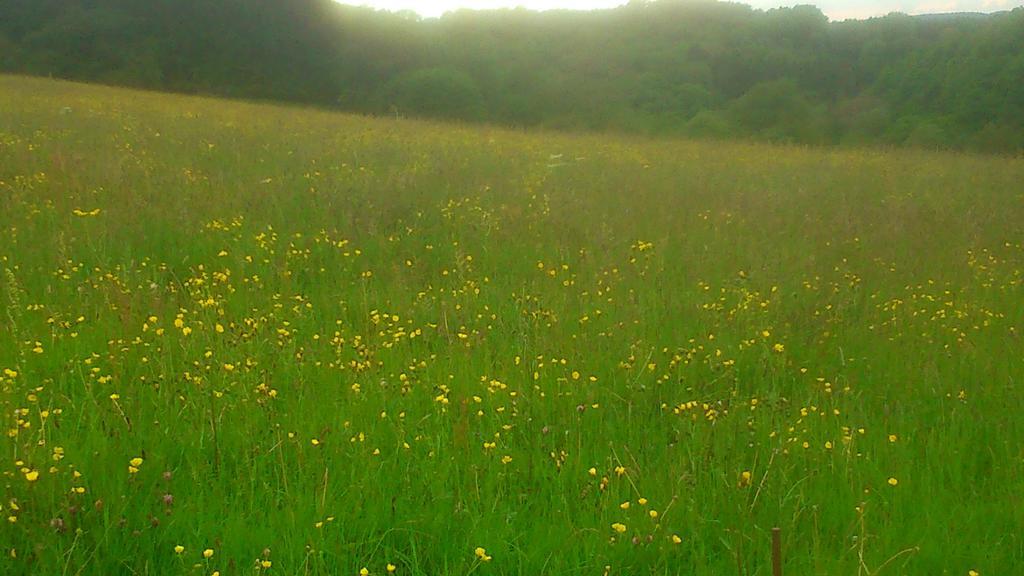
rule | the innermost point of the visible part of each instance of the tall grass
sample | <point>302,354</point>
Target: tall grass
<point>313,343</point>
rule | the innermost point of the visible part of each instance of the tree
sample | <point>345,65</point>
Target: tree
<point>778,111</point>
<point>436,92</point>
<point>695,67</point>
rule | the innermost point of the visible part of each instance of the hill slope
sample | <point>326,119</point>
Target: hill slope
<point>311,343</point>
<point>695,68</point>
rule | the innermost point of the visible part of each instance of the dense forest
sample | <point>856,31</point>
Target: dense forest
<point>696,68</point>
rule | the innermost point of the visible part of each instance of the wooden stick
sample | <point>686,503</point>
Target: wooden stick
<point>776,552</point>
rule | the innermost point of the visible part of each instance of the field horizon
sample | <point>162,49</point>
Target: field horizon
<point>698,69</point>
<point>243,337</point>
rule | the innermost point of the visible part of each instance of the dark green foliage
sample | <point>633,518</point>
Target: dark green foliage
<point>440,92</point>
<point>698,68</point>
<point>778,111</point>
<point>710,124</point>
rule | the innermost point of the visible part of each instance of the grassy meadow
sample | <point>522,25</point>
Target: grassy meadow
<point>245,339</point>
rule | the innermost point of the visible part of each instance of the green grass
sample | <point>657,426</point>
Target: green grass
<point>369,304</point>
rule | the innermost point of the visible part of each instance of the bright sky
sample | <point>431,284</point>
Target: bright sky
<point>835,9</point>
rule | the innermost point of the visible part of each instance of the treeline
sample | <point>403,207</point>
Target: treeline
<point>696,68</point>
